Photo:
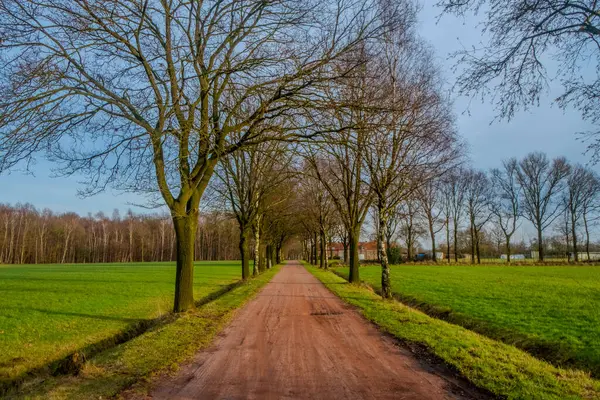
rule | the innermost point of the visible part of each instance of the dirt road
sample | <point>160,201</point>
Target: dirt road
<point>296,340</point>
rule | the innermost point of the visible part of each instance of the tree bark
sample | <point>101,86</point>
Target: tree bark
<point>256,269</point>
<point>455,242</point>
<point>574,235</point>
<point>315,248</point>
<point>587,235</point>
<point>432,234</point>
<point>508,249</point>
<point>448,238</point>
<point>386,287</point>
<point>269,256</point>
<point>322,250</point>
<point>540,244</point>
<point>278,254</point>
<point>477,248</point>
<point>245,253</point>
<point>354,262</point>
<point>185,232</point>
<point>472,242</point>
<point>346,253</point>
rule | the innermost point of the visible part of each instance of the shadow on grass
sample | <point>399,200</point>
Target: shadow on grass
<point>73,362</point>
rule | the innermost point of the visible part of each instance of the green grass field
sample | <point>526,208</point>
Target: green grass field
<point>552,312</point>
<point>502,369</point>
<point>50,311</point>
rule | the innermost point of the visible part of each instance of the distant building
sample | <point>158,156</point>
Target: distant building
<point>583,256</point>
<point>439,255</point>
<point>366,250</point>
<point>336,250</point>
<point>513,256</point>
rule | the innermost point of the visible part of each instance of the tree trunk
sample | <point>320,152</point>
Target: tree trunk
<point>245,253</point>
<point>409,242</point>
<point>315,248</point>
<point>354,262</point>
<point>448,238</point>
<point>455,242</point>
<point>574,235</point>
<point>346,253</point>
<point>322,250</point>
<point>472,242</point>
<point>185,232</point>
<point>540,245</point>
<point>269,254</point>
<point>432,234</point>
<point>379,239</point>
<point>386,287</point>
<point>508,249</point>
<point>477,249</point>
<point>587,235</point>
<point>66,248</point>
<point>255,270</point>
<point>325,250</point>
<point>278,254</point>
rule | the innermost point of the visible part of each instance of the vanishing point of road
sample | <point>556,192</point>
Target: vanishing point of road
<point>296,340</point>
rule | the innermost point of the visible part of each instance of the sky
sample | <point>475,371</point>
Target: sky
<point>547,129</point>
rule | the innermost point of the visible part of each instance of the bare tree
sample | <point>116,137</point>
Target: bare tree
<point>248,178</point>
<point>412,137</point>
<point>505,204</point>
<point>454,193</point>
<point>581,191</point>
<point>541,181</point>
<point>430,198</point>
<point>510,67</point>
<point>339,162</point>
<point>318,209</point>
<point>589,206</point>
<point>411,226</point>
<point>477,202</point>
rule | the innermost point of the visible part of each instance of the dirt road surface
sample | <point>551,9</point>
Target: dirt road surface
<point>296,340</point>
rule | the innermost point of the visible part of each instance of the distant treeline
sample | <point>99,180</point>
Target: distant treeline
<point>31,236</point>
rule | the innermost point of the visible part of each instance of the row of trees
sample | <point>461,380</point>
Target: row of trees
<point>392,132</point>
<point>28,236</point>
<point>536,190</point>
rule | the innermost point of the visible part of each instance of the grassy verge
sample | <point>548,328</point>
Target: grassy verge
<point>497,367</point>
<point>159,350</point>
<point>549,311</point>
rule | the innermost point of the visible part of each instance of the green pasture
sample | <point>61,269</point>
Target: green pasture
<point>50,311</point>
<point>551,311</point>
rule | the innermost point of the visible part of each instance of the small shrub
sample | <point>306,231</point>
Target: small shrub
<point>394,255</point>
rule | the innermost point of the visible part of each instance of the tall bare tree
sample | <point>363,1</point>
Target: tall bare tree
<point>581,191</point>
<point>590,206</point>
<point>505,202</point>
<point>454,199</point>
<point>477,202</point>
<point>248,178</point>
<point>411,226</point>
<point>541,182</point>
<point>430,199</point>
<point>410,125</point>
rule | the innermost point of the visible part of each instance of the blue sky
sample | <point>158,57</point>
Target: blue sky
<point>546,129</point>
